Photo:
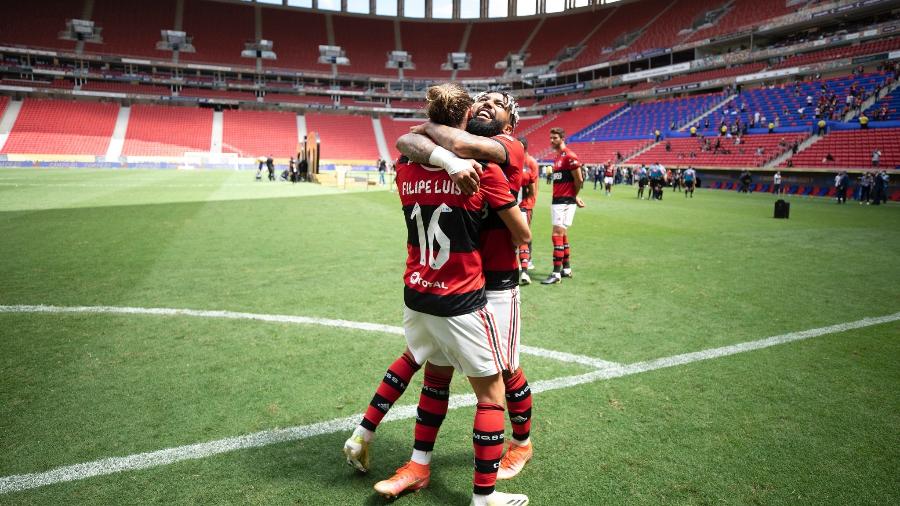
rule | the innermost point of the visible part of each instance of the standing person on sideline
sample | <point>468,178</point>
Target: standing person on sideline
<point>597,174</point>
<point>608,175</point>
<point>865,185</point>
<point>690,176</point>
<point>382,171</point>
<point>842,182</point>
<point>526,204</point>
<point>643,180</point>
<point>567,182</point>
<point>270,166</point>
<point>776,183</point>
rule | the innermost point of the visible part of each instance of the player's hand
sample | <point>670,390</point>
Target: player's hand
<point>469,179</point>
<point>579,202</point>
<point>419,129</point>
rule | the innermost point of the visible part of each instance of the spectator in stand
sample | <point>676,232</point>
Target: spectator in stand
<point>876,157</point>
<point>756,119</point>
<point>863,121</point>
<point>668,147</point>
<point>822,124</point>
<point>693,131</point>
<point>827,158</point>
<point>657,134</point>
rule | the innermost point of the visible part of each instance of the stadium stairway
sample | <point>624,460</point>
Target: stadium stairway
<point>780,159</point>
<point>696,121</point>
<point>218,127</point>
<point>874,99</point>
<point>641,151</point>
<point>114,151</point>
<point>380,141</point>
<point>10,115</point>
<point>606,120</point>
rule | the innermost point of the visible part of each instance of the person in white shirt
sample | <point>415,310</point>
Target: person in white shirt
<point>776,183</point>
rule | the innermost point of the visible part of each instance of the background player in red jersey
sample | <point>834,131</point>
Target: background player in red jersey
<point>567,182</point>
<point>526,204</point>
<point>446,312</point>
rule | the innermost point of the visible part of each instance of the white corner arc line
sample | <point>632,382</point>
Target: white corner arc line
<point>277,318</point>
<point>16,483</point>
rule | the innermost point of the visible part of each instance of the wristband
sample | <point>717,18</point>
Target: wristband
<point>440,157</point>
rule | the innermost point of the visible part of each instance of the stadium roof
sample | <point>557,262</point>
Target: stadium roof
<point>441,9</point>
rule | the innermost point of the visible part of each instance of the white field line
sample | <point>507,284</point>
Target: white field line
<point>113,465</point>
<point>375,327</point>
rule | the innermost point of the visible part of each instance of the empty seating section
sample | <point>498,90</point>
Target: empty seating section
<point>836,53</point>
<point>155,130</point>
<point>607,151</point>
<point>708,75</point>
<point>557,33</point>
<point>344,137</point>
<point>786,102</point>
<point>296,37</point>
<point>663,32</point>
<point>367,43</point>
<point>46,18</point>
<point>4,101</point>
<point>570,121</point>
<point>686,151</point>
<point>298,99</point>
<point>852,149</point>
<point>120,87</point>
<point>219,31</point>
<point>743,14</point>
<point>259,133</point>
<point>491,42</point>
<point>132,28</point>
<point>429,45</point>
<point>642,120</point>
<point>393,129</point>
<point>57,127</point>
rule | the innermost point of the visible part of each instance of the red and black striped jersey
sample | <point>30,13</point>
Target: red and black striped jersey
<point>529,177</point>
<point>515,161</point>
<point>563,179</point>
<point>444,275</point>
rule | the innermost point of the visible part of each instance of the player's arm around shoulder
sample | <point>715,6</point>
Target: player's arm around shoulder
<point>464,144</point>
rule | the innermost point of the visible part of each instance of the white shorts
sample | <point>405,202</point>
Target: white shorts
<point>469,343</point>
<point>561,215</point>
<point>506,306</point>
<point>608,180</point>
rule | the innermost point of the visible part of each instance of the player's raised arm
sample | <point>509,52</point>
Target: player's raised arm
<point>464,144</point>
<point>421,149</point>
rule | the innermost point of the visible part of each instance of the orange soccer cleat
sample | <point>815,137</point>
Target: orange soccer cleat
<point>410,477</point>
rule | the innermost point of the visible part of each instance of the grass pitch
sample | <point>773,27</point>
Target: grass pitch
<point>810,422</point>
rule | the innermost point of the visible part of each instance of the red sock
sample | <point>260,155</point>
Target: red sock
<point>565,245</point>
<point>432,409</point>
<point>558,252</point>
<point>518,401</point>
<point>524,256</point>
<point>389,390</point>
<point>487,439</point>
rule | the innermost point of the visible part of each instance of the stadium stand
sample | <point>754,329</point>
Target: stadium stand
<point>367,43</point>
<point>890,104</point>
<point>789,103</point>
<point>709,75</point>
<point>4,101</point>
<point>132,28</point>
<point>219,31</point>
<point>120,87</point>
<point>155,130</point>
<point>393,129</point>
<point>572,121</point>
<point>224,94</point>
<point>642,120</point>
<point>742,15</point>
<point>607,151</point>
<point>288,98</point>
<point>62,127</point>
<point>836,53</point>
<point>491,42</point>
<point>852,149</point>
<point>296,36</point>
<point>663,32</point>
<point>46,18</point>
<point>690,151</point>
<point>258,133</point>
<point>344,137</point>
<point>559,32</point>
<point>429,46</point>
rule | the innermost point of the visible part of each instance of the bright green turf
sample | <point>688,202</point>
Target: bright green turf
<point>812,422</point>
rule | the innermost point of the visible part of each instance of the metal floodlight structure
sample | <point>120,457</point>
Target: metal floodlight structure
<point>175,40</point>
<point>333,55</point>
<point>457,61</point>
<point>400,60</point>
<point>82,30</point>
<point>259,49</point>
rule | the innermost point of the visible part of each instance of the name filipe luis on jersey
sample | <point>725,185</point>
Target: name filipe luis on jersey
<point>429,186</point>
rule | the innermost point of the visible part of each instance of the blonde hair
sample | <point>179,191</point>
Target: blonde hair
<point>448,104</point>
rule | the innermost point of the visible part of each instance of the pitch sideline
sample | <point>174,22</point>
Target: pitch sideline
<point>112,465</point>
